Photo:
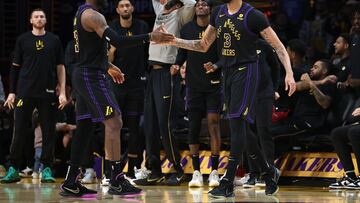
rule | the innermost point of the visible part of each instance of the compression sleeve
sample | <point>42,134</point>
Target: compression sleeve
<point>124,41</point>
<point>14,76</point>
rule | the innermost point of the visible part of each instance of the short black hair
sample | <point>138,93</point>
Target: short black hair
<point>327,64</point>
<point>209,2</point>
<point>346,37</point>
<point>117,2</point>
<point>37,9</point>
<point>172,3</point>
<point>297,46</point>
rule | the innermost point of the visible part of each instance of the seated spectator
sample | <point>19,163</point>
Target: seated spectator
<point>296,50</point>
<point>340,60</point>
<point>341,137</point>
<point>316,91</point>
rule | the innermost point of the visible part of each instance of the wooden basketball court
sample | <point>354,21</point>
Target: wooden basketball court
<point>32,191</point>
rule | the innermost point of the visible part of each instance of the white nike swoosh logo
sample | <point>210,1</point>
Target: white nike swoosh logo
<point>243,68</point>
<point>179,179</point>
<point>215,81</point>
<point>222,15</point>
<point>73,191</point>
<point>166,97</point>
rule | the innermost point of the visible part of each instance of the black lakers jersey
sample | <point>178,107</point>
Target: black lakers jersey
<point>90,49</point>
<point>237,34</point>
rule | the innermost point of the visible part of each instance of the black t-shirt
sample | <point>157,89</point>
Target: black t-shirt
<point>132,60</point>
<point>355,57</point>
<point>309,109</point>
<point>196,77</point>
<point>341,69</point>
<point>38,57</point>
<point>269,68</point>
<point>237,34</point>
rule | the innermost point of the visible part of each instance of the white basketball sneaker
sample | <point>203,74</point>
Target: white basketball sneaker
<point>214,179</point>
<point>197,179</point>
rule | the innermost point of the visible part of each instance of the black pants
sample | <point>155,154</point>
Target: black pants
<point>6,129</point>
<point>159,118</point>
<point>341,137</point>
<point>47,117</point>
<point>260,144</point>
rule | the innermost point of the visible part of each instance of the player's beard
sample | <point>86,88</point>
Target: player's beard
<point>39,26</point>
<point>226,1</point>
<point>126,16</point>
<point>102,4</point>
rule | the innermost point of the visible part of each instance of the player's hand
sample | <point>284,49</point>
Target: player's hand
<point>116,74</point>
<point>305,77</point>
<point>70,127</point>
<point>330,79</point>
<point>277,95</point>
<point>174,69</point>
<point>162,2</point>
<point>62,101</point>
<point>290,84</point>
<point>356,112</point>
<point>209,67</point>
<point>161,36</point>
<point>10,101</point>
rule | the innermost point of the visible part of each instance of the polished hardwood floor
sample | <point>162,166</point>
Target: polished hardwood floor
<point>31,191</point>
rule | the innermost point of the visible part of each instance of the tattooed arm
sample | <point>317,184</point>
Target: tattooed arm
<point>322,99</point>
<point>270,36</point>
<point>202,45</point>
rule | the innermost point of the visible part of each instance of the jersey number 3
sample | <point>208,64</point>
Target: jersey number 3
<point>227,40</point>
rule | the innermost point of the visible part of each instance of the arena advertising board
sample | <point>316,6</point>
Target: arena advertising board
<point>293,164</point>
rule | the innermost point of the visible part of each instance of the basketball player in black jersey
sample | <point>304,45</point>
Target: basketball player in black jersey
<point>95,102</point>
<point>203,93</point>
<point>235,26</point>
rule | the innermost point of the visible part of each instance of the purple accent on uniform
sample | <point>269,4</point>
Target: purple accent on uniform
<point>238,113</point>
<point>244,5</point>
<point>85,6</point>
<point>120,175</point>
<point>244,101</point>
<point>82,117</point>
<point>97,120</point>
<point>248,118</point>
<point>91,93</point>
<point>106,92</point>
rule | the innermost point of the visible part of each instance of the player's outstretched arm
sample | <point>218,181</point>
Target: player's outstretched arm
<point>202,45</point>
<point>93,21</point>
<point>270,36</point>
